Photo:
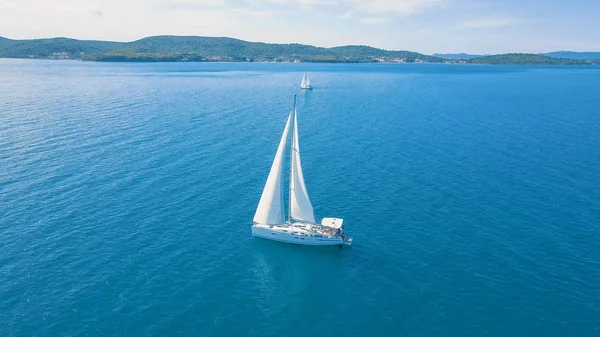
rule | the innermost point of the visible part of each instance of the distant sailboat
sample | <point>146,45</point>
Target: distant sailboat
<point>300,227</point>
<point>305,82</point>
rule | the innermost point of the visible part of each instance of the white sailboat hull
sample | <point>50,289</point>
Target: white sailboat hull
<point>284,234</point>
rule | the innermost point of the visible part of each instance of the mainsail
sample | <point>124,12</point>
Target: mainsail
<point>270,208</point>
<point>300,207</point>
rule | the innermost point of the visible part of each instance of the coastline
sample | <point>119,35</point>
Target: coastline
<point>590,63</point>
<point>223,49</point>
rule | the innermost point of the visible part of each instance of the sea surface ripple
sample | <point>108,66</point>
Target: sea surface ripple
<point>127,192</point>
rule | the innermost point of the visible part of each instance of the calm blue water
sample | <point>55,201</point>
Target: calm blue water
<point>127,192</point>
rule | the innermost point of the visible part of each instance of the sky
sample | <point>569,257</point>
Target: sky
<point>426,26</point>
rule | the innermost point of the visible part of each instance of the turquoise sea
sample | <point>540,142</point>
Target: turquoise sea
<point>127,192</point>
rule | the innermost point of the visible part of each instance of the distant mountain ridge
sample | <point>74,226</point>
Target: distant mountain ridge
<point>459,56</point>
<point>199,48</point>
<point>526,59</point>
<point>167,48</point>
<point>574,55</point>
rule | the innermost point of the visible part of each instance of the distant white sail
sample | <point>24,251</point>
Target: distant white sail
<point>305,82</point>
<point>300,207</point>
<point>270,210</point>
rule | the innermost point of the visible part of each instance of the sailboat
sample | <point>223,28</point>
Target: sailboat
<point>305,82</point>
<point>300,226</point>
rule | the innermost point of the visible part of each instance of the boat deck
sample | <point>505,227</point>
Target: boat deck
<point>303,229</point>
<point>302,234</point>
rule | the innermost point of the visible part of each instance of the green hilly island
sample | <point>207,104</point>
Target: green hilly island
<point>516,58</point>
<point>207,49</point>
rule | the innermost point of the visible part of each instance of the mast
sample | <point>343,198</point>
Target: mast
<point>293,121</point>
<point>301,208</point>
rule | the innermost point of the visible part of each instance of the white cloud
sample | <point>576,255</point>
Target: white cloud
<point>250,12</point>
<point>373,20</point>
<point>347,15</point>
<point>96,12</point>
<point>487,23</point>
<point>368,6</point>
<point>397,6</point>
<point>253,20</point>
<point>193,3</point>
<point>302,2</point>
<point>6,4</point>
<point>122,20</point>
